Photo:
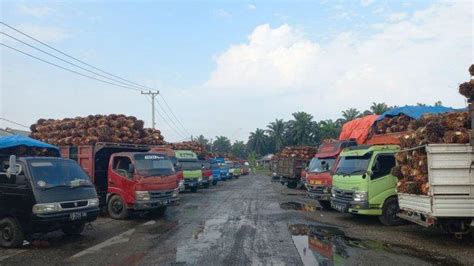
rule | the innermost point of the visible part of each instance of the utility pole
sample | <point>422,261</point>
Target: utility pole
<point>153,95</point>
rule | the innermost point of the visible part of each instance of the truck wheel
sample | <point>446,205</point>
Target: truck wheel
<point>73,230</point>
<point>237,177</point>
<point>193,189</point>
<point>292,184</point>
<point>11,233</point>
<point>117,208</point>
<point>214,182</point>
<point>325,204</point>
<point>159,212</point>
<point>389,213</point>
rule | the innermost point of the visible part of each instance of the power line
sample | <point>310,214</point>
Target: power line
<point>68,62</point>
<point>72,57</point>
<point>67,69</point>
<point>166,121</point>
<point>13,122</point>
<point>170,119</point>
<point>172,113</point>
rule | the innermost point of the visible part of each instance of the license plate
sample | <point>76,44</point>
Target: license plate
<point>315,182</point>
<point>340,208</point>
<point>77,216</point>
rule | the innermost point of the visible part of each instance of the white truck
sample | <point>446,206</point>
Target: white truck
<point>450,200</point>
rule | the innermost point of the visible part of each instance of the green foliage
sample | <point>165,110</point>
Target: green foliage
<point>276,132</point>
<point>221,144</point>
<point>239,149</point>
<point>258,141</point>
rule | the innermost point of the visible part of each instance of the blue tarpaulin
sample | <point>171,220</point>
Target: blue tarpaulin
<point>416,112</point>
<point>19,140</point>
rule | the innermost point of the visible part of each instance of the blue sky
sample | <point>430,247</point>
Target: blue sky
<point>226,67</point>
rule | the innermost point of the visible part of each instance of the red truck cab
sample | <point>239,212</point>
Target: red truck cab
<point>127,177</point>
<point>172,155</point>
<point>318,174</point>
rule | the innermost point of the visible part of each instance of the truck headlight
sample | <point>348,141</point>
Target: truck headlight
<point>181,183</point>
<point>200,179</point>
<point>94,202</point>
<point>360,196</point>
<point>142,195</point>
<point>274,174</point>
<point>43,208</point>
<point>333,192</point>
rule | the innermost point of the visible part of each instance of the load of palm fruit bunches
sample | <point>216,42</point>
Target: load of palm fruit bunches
<point>394,124</point>
<point>95,128</point>
<point>194,146</point>
<point>412,161</point>
<point>299,152</point>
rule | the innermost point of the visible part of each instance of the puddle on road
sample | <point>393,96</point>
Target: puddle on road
<point>325,245</point>
<point>298,206</point>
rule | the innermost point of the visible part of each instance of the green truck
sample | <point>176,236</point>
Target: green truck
<point>192,169</point>
<point>363,184</point>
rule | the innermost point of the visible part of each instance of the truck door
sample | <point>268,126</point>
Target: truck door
<point>121,178</point>
<point>16,196</point>
<point>382,184</point>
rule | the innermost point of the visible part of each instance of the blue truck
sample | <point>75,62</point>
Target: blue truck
<point>220,169</point>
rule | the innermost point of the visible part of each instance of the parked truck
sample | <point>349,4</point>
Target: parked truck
<point>289,170</point>
<point>450,200</point>
<point>172,155</point>
<point>127,177</point>
<point>41,194</point>
<point>318,174</point>
<point>192,169</point>
<point>363,185</point>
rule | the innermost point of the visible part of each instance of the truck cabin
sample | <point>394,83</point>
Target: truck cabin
<point>168,152</point>
<point>191,165</point>
<point>142,164</point>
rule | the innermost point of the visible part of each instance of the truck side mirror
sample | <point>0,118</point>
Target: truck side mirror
<point>13,168</point>
<point>131,168</point>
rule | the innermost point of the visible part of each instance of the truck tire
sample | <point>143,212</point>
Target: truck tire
<point>206,185</point>
<point>389,213</point>
<point>193,189</point>
<point>73,230</point>
<point>117,208</point>
<point>325,204</point>
<point>11,233</point>
<point>292,184</point>
<point>214,182</point>
<point>158,212</point>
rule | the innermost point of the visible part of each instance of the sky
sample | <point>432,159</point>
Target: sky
<point>229,67</point>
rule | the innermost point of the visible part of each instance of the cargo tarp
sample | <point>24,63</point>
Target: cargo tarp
<point>416,112</point>
<point>19,140</point>
<point>358,129</point>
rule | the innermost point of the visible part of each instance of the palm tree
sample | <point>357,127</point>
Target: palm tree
<point>276,131</point>
<point>301,128</point>
<point>379,108</point>
<point>258,141</point>
<point>350,114</point>
<point>328,129</point>
<point>221,144</point>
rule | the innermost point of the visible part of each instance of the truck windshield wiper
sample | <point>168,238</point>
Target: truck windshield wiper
<point>50,187</point>
<point>356,172</point>
<point>81,185</point>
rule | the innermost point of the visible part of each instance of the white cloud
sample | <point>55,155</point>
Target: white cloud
<point>366,2</point>
<point>35,10</point>
<point>394,17</point>
<point>417,59</point>
<point>280,16</point>
<point>222,13</point>
<point>45,33</point>
<point>251,7</point>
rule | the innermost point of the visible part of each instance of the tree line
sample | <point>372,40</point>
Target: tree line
<point>301,129</point>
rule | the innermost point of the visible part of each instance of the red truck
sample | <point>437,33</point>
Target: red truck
<point>172,155</point>
<point>318,174</point>
<point>127,177</point>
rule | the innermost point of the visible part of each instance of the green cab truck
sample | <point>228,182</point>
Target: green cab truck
<point>192,169</point>
<point>363,184</point>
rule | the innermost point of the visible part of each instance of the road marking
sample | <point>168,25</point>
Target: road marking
<point>122,238</point>
<point>8,253</point>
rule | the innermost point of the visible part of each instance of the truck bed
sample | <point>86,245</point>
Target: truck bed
<point>290,167</point>
<point>451,182</point>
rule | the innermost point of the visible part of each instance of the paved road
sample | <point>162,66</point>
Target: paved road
<point>246,221</point>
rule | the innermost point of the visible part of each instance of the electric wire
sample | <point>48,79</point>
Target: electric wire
<point>172,113</point>
<point>169,118</point>
<point>13,122</point>
<point>164,119</point>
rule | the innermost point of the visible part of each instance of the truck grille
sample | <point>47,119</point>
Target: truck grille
<point>155,195</point>
<point>344,195</point>
<point>316,189</point>
<point>73,204</point>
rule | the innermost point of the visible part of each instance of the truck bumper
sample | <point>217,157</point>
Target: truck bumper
<point>153,204</point>
<point>191,183</point>
<point>318,192</point>
<point>42,223</point>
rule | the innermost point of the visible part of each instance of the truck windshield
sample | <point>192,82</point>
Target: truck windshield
<point>205,165</point>
<point>318,165</point>
<point>189,166</point>
<point>215,166</point>
<point>349,165</point>
<point>58,173</point>
<point>153,165</point>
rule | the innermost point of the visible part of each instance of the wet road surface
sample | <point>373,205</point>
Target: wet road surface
<point>250,220</point>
